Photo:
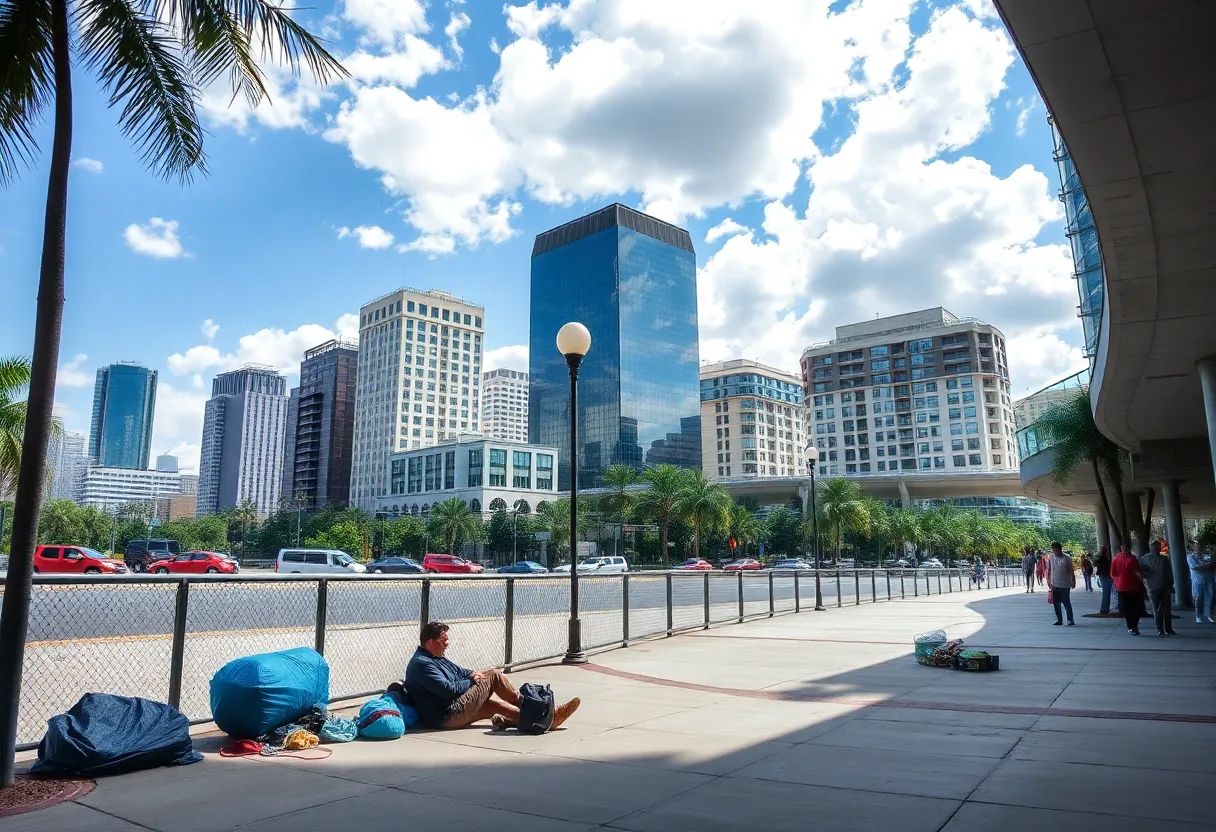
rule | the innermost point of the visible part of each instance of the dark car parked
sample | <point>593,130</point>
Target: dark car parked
<point>524,567</point>
<point>140,554</point>
<point>393,565</point>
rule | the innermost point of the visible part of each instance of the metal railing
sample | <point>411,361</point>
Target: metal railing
<point>163,637</point>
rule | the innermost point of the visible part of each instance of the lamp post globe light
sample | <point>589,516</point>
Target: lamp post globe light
<point>812,460</point>
<point>573,342</point>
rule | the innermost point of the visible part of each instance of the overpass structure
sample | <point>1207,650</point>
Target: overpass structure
<point>1131,87</point>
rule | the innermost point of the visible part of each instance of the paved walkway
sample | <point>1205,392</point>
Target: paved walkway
<point>818,719</point>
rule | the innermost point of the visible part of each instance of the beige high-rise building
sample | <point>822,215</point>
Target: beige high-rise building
<point>419,380</point>
<point>924,391</point>
<point>752,421</point>
<point>504,399</point>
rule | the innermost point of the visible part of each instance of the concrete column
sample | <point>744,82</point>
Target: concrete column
<point>1177,540</point>
<point>1103,528</point>
<point>1207,379</point>
<point>804,494</point>
<point>1135,523</point>
<point>905,499</point>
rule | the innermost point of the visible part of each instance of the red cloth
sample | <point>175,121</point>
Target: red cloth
<point>1125,570</point>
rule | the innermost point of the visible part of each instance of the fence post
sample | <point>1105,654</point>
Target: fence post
<point>625,610</point>
<point>771,604</point>
<point>838,601</point>
<point>670,605</point>
<point>797,594</point>
<point>888,576</point>
<point>916,584</point>
<point>322,615</point>
<point>939,582</point>
<point>177,656</point>
<point>856,587</point>
<point>424,608</point>
<point>929,586</point>
<point>873,587</point>
<point>706,577</point>
<point>949,582</point>
<point>740,596</point>
<point>508,646</point>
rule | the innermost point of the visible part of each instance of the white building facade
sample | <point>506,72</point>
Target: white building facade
<point>925,391</point>
<point>418,381</point>
<point>68,458</point>
<point>242,447</point>
<point>108,488</point>
<point>504,399</point>
<point>487,474</point>
<point>752,421</point>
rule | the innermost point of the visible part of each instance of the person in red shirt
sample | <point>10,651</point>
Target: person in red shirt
<point>1125,571</point>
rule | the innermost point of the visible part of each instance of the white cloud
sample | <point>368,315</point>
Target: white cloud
<point>155,238</point>
<point>73,375</point>
<point>369,236</point>
<point>289,102</point>
<point>348,327</point>
<point>514,357</point>
<point>726,228</point>
<point>1025,113</point>
<point>272,347</point>
<point>457,24</point>
<point>1039,358</point>
<point>89,165</point>
<point>403,66</point>
<point>179,423</point>
<point>386,21</point>
<point>209,328</point>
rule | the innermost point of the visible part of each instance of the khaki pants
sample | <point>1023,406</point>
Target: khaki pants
<point>464,711</point>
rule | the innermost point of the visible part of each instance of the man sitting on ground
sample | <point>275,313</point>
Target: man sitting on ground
<point>447,695</point>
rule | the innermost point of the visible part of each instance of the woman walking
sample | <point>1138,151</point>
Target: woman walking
<point>1129,583</point>
<point>1087,572</point>
<point>1102,567</point>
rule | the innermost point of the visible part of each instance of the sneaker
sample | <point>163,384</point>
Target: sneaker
<point>1058,624</point>
<point>499,723</point>
<point>1170,633</point>
<point>1072,623</point>
<point>1211,619</point>
<point>564,712</point>
<point>1135,631</point>
<point>1198,620</point>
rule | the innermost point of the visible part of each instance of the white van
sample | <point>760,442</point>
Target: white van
<point>316,561</point>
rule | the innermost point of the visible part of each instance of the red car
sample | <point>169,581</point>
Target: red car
<point>75,560</point>
<point>743,564</point>
<point>195,563</point>
<point>450,564</point>
<point>694,563</point>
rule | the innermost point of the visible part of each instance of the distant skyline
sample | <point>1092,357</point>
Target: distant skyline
<point>832,161</point>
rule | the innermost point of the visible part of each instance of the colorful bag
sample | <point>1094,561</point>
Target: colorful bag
<point>1051,595</point>
<point>338,729</point>
<point>380,719</point>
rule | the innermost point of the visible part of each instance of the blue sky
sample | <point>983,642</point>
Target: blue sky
<point>833,161</point>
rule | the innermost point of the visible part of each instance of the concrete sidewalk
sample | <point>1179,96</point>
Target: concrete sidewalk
<point>819,719</point>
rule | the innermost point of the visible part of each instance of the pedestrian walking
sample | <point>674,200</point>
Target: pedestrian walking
<point>1129,583</point>
<point>1040,567</point>
<point>1087,572</point>
<point>1102,569</point>
<point>1203,583</point>
<point>1028,566</point>
<point>1061,577</point>
<point>1160,579</point>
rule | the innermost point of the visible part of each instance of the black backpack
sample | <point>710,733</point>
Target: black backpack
<point>536,708</point>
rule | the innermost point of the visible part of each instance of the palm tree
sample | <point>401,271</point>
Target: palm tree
<point>658,502</point>
<point>619,499</point>
<point>843,506</point>
<point>903,525</point>
<point>741,525</point>
<point>244,514</point>
<point>454,522</point>
<point>1075,440</point>
<point>554,518</point>
<point>704,504</point>
<point>14,377</point>
<point>154,57</point>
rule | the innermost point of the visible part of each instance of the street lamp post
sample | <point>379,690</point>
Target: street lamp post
<point>812,459</point>
<point>573,342</point>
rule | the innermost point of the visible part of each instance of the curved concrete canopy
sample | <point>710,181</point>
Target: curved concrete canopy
<point>1132,87</point>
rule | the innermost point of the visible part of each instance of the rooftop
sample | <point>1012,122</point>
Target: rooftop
<point>908,324</point>
<point>615,214</point>
<point>721,368</point>
<point>437,294</point>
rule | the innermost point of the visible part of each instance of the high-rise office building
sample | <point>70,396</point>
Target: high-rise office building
<point>68,462</point>
<point>166,464</point>
<point>124,402</point>
<point>632,281</point>
<point>108,488</point>
<point>419,380</point>
<point>752,421</point>
<point>504,405</point>
<point>242,448</point>
<point>921,392</point>
<point>321,427</point>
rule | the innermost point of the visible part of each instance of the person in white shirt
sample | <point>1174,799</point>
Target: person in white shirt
<point>1061,577</point>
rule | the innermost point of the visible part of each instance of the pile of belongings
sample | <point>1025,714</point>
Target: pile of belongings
<point>308,731</point>
<point>387,717</point>
<point>933,650</point>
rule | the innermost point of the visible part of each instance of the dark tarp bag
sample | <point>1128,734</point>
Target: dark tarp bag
<point>536,708</point>
<point>104,734</point>
<point>253,695</point>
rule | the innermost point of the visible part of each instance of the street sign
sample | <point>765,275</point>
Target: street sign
<point>543,535</point>
<point>153,523</point>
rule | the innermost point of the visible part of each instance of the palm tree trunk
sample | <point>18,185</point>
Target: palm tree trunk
<point>696,540</point>
<point>663,539</point>
<point>1120,532</point>
<point>14,621</point>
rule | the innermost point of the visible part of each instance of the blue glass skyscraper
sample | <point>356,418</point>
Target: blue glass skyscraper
<point>124,403</point>
<point>632,281</point>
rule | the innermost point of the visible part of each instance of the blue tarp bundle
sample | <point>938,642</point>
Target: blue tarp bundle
<point>104,734</point>
<point>256,694</point>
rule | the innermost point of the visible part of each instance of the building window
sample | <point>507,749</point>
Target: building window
<point>975,459</point>
<point>960,461</point>
<point>449,470</point>
<point>521,464</point>
<point>498,468</point>
<point>475,462</point>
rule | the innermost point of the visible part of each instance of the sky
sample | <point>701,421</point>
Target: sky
<point>833,161</point>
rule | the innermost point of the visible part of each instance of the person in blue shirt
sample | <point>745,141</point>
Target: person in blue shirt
<point>1203,583</point>
<point>447,695</point>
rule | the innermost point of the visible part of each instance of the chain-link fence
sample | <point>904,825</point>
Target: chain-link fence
<point>164,638</point>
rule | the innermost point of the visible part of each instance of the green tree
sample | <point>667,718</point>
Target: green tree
<point>742,526</point>
<point>1075,442</point>
<point>245,519</point>
<point>95,527</point>
<point>1080,527</point>
<point>704,505</point>
<point>499,531</point>
<point>619,498</point>
<point>405,536</point>
<point>945,529</point>
<point>844,508</point>
<point>903,527</point>
<point>452,522</point>
<point>6,516</point>
<point>60,522</point>
<point>14,378</point>
<point>782,532</point>
<point>658,502</point>
<point>346,536</point>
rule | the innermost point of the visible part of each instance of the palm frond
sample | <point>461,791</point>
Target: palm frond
<point>27,80</point>
<point>217,43</point>
<point>282,39</point>
<point>14,376</point>
<point>140,64</point>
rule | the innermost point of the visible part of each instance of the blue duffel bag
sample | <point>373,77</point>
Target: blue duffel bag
<point>256,694</point>
<point>104,734</point>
